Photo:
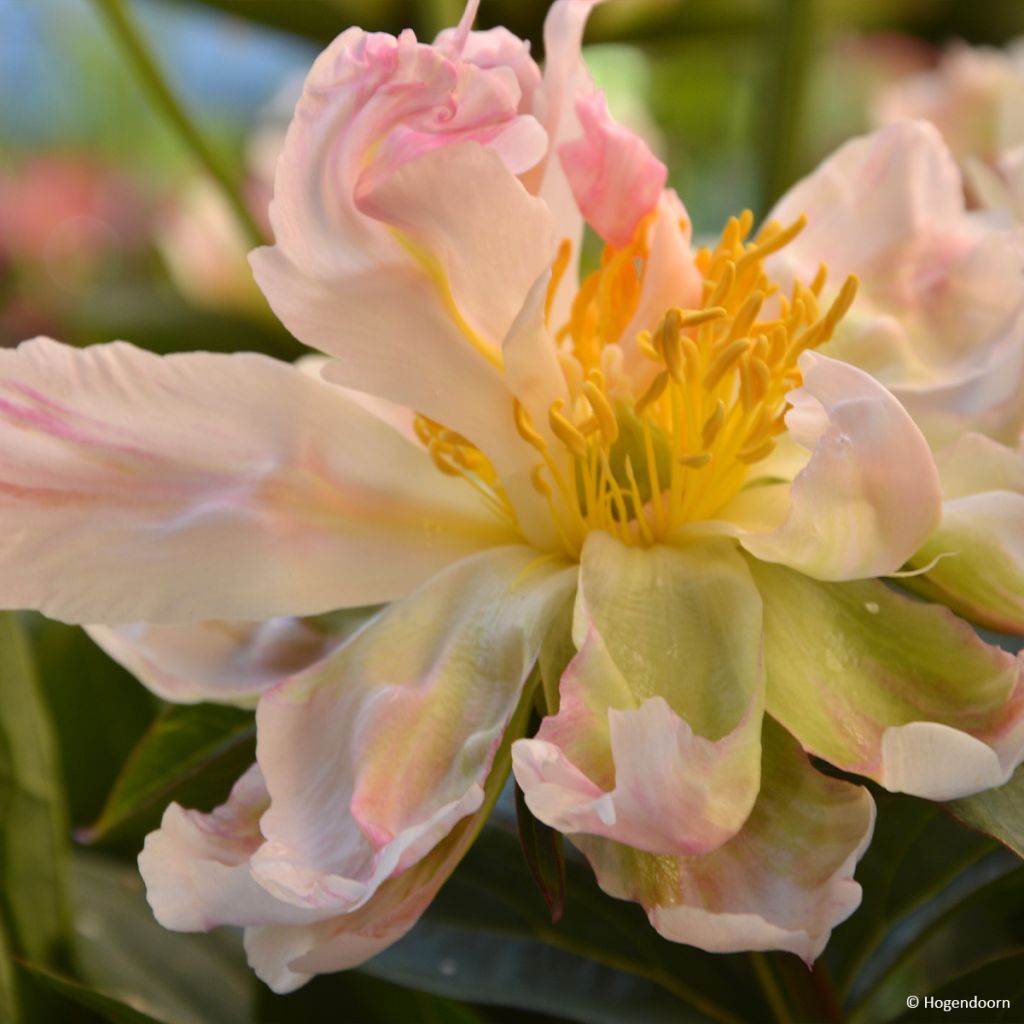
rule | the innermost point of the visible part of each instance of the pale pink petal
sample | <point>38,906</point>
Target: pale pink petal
<point>670,278</point>
<point>228,484</point>
<point>437,309</point>
<point>565,78</point>
<point>889,687</point>
<point>286,956</point>
<point>656,742</point>
<point>615,178</point>
<point>222,661</point>
<point>375,754</point>
<point>878,207</point>
<point>870,494</point>
<point>783,882</point>
<point>196,866</point>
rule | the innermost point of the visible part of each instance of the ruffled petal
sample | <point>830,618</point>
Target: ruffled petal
<point>615,178</point>
<point>982,529</point>
<point>870,494</point>
<point>223,661</point>
<point>657,738</point>
<point>783,882</point>
<point>374,755</point>
<point>436,309</point>
<point>196,866</point>
<point>228,482</point>
<point>565,79</point>
<point>889,687</point>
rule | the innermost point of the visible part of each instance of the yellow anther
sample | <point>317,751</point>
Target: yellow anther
<point>602,410</point>
<point>691,353</point>
<point>752,455</point>
<point>694,461</point>
<point>761,376</point>
<point>540,485</point>
<point>566,432</point>
<point>724,361</point>
<point>745,318</point>
<point>589,426</point>
<point>713,424</point>
<point>725,283</point>
<point>525,428</point>
<point>842,302</point>
<point>746,222</point>
<point>778,240</point>
<point>644,344</point>
<point>819,279</point>
<point>653,392</point>
<point>701,316</point>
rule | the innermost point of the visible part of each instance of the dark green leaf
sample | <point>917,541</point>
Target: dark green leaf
<point>192,753</point>
<point>996,812</point>
<point>916,851</point>
<point>108,1007</point>
<point>365,999</point>
<point>545,857</point>
<point>977,918</point>
<point>99,711</point>
<point>483,942</point>
<point>999,979</point>
<point>8,991</point>
<point>33,822</point>
<point>187,979</point>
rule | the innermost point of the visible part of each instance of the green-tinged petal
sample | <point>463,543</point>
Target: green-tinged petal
<point>783,882</point>
<point>374,754</point>
<point>657,737</point>
<point>982,529</point>
<point>898,690</point>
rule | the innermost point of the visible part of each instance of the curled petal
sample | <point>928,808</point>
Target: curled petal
<point>889,687</point>
<point>227,481</point>
<point>374,755</point>
<point>657,738</point>
<point>615,178</point>
<point>870,494</point>
<point>220,660</point>
<point>784,881</point>
<point>196,866</point>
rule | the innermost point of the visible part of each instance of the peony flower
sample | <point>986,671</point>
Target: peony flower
<point>939,319</point>
<point>974,97</point>
<point>640,496</point>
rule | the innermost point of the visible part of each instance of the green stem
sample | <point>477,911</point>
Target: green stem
<point>792,50</point>
<point>137,52</point>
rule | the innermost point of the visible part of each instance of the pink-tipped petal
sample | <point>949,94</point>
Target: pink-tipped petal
<point>228,483</point>
<point>657,738</point>
<point>615,178</point>
<point>783,882</point>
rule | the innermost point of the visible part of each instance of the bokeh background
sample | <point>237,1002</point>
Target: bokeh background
<point>110,227</point>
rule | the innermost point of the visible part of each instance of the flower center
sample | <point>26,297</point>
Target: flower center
<point>667,435</point>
